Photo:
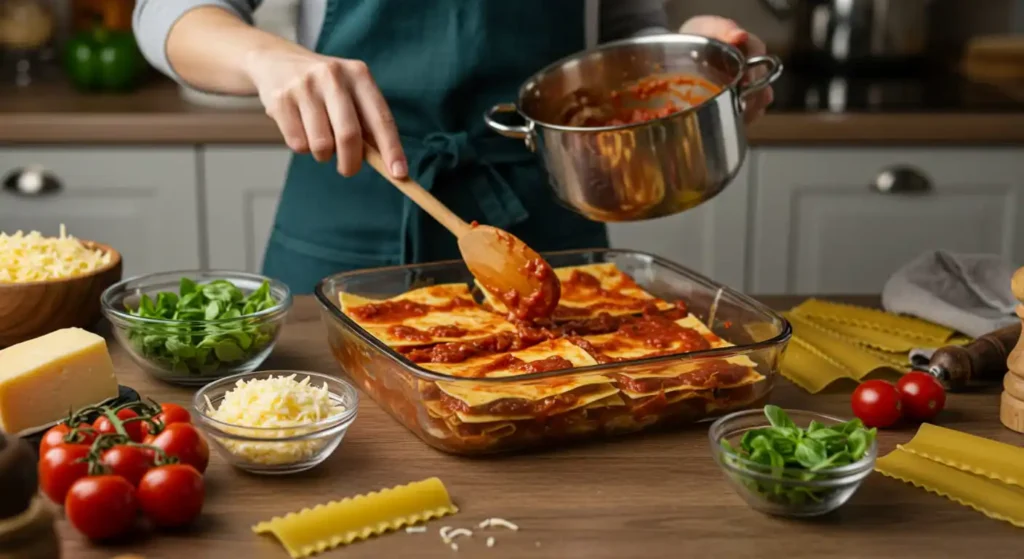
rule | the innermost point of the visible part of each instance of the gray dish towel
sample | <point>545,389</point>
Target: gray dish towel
<point>969,293</point>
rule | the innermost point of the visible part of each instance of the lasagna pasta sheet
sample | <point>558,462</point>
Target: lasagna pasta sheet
<point>614,293</point>
<point>449,306</point>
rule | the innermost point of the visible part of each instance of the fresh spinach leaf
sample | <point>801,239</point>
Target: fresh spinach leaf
<point>210,328</point>
<point>787,452</point>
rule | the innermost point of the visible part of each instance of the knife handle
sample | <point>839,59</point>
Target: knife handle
<point>980,360</point>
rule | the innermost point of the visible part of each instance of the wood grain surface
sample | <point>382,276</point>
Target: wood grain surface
<point>657,495</point>
<point>53,113</point>
<point>30,310</point>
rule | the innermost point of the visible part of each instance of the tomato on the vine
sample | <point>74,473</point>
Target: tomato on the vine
<point>55,436</point>
<point>877,403</point>
<point>104,426</point>
<point>60,467</point>
<point>129,462</point>
<point>184,442</point>
<point>101,507</point>
<point>170,413</point>
<point>922,395</point>
<point>171,496</point>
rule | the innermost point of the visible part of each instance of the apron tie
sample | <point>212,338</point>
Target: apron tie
<point>443,151</point>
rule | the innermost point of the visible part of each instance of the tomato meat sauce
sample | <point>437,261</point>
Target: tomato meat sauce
<point>632,104</point>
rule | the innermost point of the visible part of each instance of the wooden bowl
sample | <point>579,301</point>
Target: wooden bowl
<point>30,310</point>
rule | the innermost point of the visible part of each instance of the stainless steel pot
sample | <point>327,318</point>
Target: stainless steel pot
<point>645,170</point>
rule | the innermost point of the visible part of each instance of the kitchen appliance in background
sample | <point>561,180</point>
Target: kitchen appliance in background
<point>872,36</point>
<point>27,29</point>
<point>279,17</point>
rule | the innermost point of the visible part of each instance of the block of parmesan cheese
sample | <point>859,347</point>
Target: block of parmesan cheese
<point>42,379</point>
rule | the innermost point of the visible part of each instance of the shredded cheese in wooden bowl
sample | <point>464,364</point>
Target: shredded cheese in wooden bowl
<point>279,420</point>
<point>32,257</point>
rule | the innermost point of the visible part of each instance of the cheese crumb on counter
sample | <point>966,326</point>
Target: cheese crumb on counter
<point>286,405</point>
<point>33,257</point>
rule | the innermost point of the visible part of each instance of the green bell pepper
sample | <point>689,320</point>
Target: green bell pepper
<point>104,60</point>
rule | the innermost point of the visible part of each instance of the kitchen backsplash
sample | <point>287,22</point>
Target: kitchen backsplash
<point>954,20</point>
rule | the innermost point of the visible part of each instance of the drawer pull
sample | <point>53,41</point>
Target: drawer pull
<point>31,181</point>
<point>901,180</point>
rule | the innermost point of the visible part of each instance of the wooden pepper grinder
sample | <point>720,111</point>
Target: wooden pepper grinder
<point>1011,409</point>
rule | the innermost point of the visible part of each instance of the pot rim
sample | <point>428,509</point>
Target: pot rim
<point>655,38</point>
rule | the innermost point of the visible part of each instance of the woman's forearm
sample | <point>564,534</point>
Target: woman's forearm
<point>206,44</point>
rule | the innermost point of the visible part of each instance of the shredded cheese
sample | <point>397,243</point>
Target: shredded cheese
<point>499,522</point>
<point>415,529</point>
<point>33,257</point>
<point>281,403</point>
<point>490,542</point>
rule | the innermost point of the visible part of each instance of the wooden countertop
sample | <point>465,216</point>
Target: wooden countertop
<point>53,113</point>
<point>651,496</point>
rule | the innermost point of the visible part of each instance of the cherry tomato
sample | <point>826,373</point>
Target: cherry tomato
<point>170,413</point>
<point>60,468</point>
<point>103,425</point>
<point>172,495</point>
<point>184,442</point>
<point>55,436</point>
<point>101,507</point>
<point>129,462</point>
<point>877,403</point>
<point>921,394</point>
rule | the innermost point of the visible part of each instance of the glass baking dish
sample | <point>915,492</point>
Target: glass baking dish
<point>411,394</point>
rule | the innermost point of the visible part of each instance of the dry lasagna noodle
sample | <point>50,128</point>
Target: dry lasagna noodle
<point>485,404</point>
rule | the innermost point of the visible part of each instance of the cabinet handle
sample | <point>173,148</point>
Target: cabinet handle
<point>31,181</point>
<point>901,180</point>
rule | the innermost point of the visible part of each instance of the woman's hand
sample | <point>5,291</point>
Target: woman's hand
<point>326,106</point>
<point>727,31</point>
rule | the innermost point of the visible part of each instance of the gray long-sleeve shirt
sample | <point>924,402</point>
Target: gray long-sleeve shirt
<point>604,20</point>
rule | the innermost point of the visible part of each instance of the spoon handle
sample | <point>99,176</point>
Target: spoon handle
<point>419,195</point>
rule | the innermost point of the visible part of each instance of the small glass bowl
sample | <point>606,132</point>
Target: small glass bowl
<point>787,492</point>
<point>231,346</point>
<point>275,450</point>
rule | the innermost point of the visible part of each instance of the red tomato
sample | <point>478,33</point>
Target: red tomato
<point>103,425</point>
<point>101,507</point>
<point>172,496</point>
<point>877,403</point>
<point>184,442</point>
<point>171,413</point>
<point>60,468</point>
<point>55,436</point>
<point>921,394</point>
<point>129,462</point>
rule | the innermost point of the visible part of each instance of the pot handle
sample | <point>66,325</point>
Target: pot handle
<point>518,132</point>
<point>774,66</point>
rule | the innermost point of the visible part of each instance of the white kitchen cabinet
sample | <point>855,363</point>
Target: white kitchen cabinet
<point>709,239</point>
<point>141,201</point>
<point>819,227</point>
<point>242,185</point>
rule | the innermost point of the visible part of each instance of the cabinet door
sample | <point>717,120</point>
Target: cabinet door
<point>821,228</point>
<point>141,201</point>
<point>709,239</point>
<point>242,186</point>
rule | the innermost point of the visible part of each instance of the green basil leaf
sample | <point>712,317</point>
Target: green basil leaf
<point>850,426</point>
<point>858,444</point>
<point>228,350</point>
<point>778,417</point>
<point>146,306</point>
<point>815,425</point>
<point>809,453</point>
<point>825,434</point>
<point>212,310</point>
<point>186,287</point>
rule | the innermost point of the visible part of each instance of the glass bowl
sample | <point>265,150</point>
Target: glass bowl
<point>792,492</point>
<point>195,352</point>
<point>276,450</point>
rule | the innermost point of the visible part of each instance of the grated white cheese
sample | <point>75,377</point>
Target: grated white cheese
<point>499,522</point>
<point>415,529</point>
<point>455,547</point>
<point>33,257</point>
<point>281,403</point>
<point>490,542</point>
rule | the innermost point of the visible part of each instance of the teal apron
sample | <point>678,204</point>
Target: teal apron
<point>440,64</point>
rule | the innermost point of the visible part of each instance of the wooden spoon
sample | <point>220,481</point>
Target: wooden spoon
<point>500,261</point>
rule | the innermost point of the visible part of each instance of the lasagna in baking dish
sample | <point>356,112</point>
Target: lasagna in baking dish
<point>586,370</point>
